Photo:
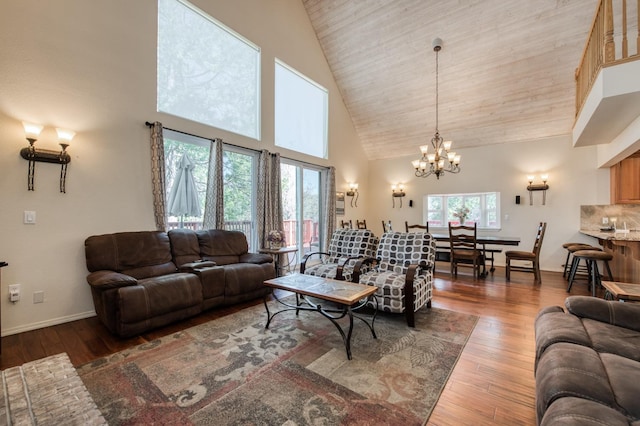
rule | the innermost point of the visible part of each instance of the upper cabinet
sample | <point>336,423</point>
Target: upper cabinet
<point>625,181</point>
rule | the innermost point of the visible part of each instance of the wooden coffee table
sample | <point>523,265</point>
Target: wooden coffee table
<point>621,291</point>
<point>342,299</point>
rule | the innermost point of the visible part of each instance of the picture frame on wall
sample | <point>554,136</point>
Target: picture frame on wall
<point>339,203</point>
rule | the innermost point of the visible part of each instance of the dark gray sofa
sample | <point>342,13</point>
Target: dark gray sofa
<point>143,280</point>
<point>588,363</point>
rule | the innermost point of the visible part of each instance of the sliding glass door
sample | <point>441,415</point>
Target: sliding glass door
<point>302,203</point>
<point>240,193</point>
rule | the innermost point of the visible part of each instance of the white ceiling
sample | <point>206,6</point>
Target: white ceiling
<point>506,70</point>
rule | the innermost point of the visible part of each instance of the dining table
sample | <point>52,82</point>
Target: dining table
<point>484,241</point>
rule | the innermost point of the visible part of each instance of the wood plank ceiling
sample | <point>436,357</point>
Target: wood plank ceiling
<point>506,69</point>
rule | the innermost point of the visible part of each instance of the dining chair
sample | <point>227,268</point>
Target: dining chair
<point>346,225</point>
<point>417,227</point>
<point>361,224</point>
<point>386,226</point>
<point>464,249</point>
<point>528,256</point>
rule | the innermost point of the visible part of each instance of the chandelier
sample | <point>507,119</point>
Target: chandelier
<point>442,159</point>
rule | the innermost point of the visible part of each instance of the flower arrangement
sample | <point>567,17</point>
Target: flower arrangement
<point>462,213</point>
<point>275,239</point>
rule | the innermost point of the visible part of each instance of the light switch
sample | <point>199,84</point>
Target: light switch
<point>29,217</point>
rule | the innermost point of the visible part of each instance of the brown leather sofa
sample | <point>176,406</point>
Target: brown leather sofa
<point>143,280</point>
<point>588,363</point>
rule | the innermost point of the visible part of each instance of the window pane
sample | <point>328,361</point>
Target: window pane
<point>289,188</point>
<point>176,146</point>
<point>481,208</point>
<point>301,113</point>
<point>238,193</point>
<point>302,204</point>
<point>311,208</point>
<point>206,73</point>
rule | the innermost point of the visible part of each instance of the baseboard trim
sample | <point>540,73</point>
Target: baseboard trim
<point>47,323</point>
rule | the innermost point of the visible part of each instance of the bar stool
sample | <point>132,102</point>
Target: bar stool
<point>591,258</point>
<point>572,248</point>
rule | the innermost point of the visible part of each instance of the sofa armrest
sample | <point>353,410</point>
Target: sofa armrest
<point>305,259</point>
<point>104,280</point>
<point>193,266</point>
<point>257,258</point>
<point>616,313</point>
<point>361,266</point>
<point>342,263</point>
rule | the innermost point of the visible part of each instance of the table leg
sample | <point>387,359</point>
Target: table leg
<point>276,263</point>
<point>345,311</point>
<point>264,300</point>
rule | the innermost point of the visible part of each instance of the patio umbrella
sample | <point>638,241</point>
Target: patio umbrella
<point>183,198</point>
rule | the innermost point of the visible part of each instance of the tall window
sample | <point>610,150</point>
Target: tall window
<point>302,204</point>
<point>301,112</point>
<point>482,208</point>
<point>206,72</point>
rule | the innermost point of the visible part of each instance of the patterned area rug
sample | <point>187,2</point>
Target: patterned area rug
<point>232,371</point>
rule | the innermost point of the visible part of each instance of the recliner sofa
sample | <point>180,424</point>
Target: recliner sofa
<point>587,364</point>
<point>148,279</point>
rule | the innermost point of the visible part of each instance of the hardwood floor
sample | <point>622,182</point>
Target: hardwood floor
<point>492,383</point>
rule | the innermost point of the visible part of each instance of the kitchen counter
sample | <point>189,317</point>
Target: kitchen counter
<point>625,248</point>
<point>633,235</point>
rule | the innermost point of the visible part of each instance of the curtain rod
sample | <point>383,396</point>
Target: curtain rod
<point>149,124</point>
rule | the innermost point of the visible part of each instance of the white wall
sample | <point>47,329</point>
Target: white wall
<point>91,67</point>
<point>573,180</point>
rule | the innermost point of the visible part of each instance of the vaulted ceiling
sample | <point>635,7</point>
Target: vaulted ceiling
<point>506,69</point>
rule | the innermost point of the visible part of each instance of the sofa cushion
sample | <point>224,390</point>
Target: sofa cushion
<point>624,376</point>
<point>138,254</point>
<point>246,277</point>
<point>222,247</point>
<point>184,246</point>
<point>255,258</point>
<point>570,370</point>
<point>158,296</point>
<point>607,338</point>
<point>620,314</point>
<point>573,411</point>
<point>553,326</point>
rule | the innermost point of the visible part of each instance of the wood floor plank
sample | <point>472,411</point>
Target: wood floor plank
<point>492,384</point>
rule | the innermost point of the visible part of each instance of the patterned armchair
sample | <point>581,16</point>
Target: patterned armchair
<point>403,272</point>
<point>346,247</point>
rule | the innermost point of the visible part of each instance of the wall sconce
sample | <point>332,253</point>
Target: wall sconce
<point>32,154</point>
<point>538,187</point>
<point>397,192</point>
<point>353,192</point>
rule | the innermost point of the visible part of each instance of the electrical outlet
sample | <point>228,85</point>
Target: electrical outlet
<point>29,217</point>
<point>14,292</point>
<point>38,297</point>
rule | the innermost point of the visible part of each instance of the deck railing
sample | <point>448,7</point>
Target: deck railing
<point>609,27</point>
<point>309,229</point>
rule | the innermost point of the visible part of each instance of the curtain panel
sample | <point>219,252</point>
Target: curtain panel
<point>214,199</point>
<point>269,196</point>
<point>158,177</point>
<point>330,206</point>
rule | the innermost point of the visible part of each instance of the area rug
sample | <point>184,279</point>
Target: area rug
<point>233,371</point>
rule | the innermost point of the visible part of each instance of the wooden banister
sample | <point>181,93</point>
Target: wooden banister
<point>600,48</point>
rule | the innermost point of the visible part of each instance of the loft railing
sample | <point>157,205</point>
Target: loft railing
<point>609,28</point>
